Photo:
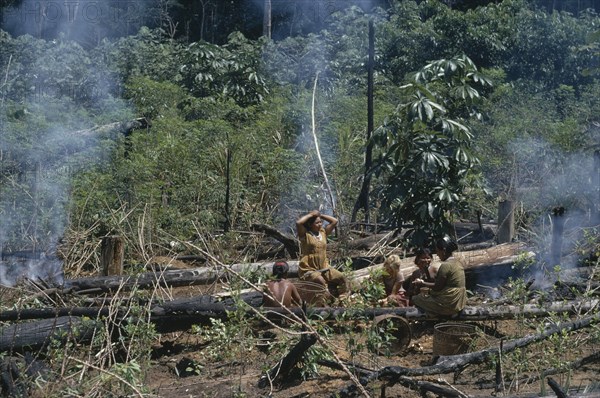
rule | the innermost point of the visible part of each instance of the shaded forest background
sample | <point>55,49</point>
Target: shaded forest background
<point>510,111</point>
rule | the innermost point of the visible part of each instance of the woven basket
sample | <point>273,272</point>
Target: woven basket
<point>313,293</point>
<point>453,338</point>
<point>398,328</point>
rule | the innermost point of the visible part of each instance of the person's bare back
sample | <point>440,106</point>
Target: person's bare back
<point>284,292</point>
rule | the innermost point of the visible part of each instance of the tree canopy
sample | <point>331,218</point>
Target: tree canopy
<point>474,100</point>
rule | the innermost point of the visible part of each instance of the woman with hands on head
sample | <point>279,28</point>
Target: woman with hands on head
<point>314,265</point>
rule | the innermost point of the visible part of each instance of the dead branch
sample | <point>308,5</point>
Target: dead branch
<point>289,242</point>
<point>285,366</point>
<point>418,385</point>
<point>556,388</point>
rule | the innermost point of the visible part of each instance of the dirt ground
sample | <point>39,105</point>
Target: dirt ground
<point>181,367</point>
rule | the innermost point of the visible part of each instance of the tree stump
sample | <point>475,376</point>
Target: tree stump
<point>506,221</point>
<point>112,254</point>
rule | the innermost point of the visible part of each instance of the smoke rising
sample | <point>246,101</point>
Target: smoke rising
<point>560,191</point>
<point>52,94</point>
<point>85,21</point>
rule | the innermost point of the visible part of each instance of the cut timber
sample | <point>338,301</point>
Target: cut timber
<point>31,335</point>
<point>486,264</point>
<point>178,315</point>
<point>501,256</point>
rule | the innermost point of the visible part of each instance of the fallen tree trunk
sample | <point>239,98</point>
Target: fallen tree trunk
<point>181,314</point>
<point>172,278</point>
<point>289,241</point>
<point>500,257</point>
<point>33,335</point>
<point>469,313</point>
<point>287,363</point>
<point>207,306</point>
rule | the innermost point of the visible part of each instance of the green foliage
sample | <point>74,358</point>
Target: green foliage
<point>427,147</point>
<point>223,72</point>
<point>372,290</point>
<point>528,43</point>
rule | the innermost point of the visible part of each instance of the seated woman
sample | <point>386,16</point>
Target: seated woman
<point>281,292</point>
<point>392,281</point>
<point>448,294</point>
<point>314,265</point>
<point>425,272</point>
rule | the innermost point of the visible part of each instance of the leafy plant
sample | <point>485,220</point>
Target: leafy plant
<point>426,148</point>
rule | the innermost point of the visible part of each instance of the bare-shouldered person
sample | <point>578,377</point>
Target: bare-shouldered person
<point>281,290</point>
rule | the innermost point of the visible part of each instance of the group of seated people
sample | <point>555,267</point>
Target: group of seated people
<point>440,291</point>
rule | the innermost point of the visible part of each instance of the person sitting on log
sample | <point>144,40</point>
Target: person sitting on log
<point>425,271</point>
<point>282,292</point>
<point>447,295</point>
<point>392,281</point>
<point>314,265</point>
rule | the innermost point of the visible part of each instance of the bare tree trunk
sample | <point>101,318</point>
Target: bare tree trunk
<point>227,223</point>
<point>267,19</point>
<point>314,132</point>
<point>363,196</point>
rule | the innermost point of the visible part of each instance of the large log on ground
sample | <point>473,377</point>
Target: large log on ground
<point>202,308</point>
<point>469,313</point>
<point>33,335</point>
<point>178,315</point>
<point>486,266</point>
<point>498,257</point>
<point>173,278</point>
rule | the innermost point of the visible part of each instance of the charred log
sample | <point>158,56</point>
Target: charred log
<point>289,242</point>
<point>556,388</point>
<point>34,335</point>
<point>287,364</point>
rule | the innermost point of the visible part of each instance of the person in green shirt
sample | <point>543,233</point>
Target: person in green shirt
<point>447,293</point>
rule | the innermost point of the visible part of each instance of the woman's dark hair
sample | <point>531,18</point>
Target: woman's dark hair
<point>280,269</point>
<point>310,222</point>
<point>420,251</point>
<point>446,244</point>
